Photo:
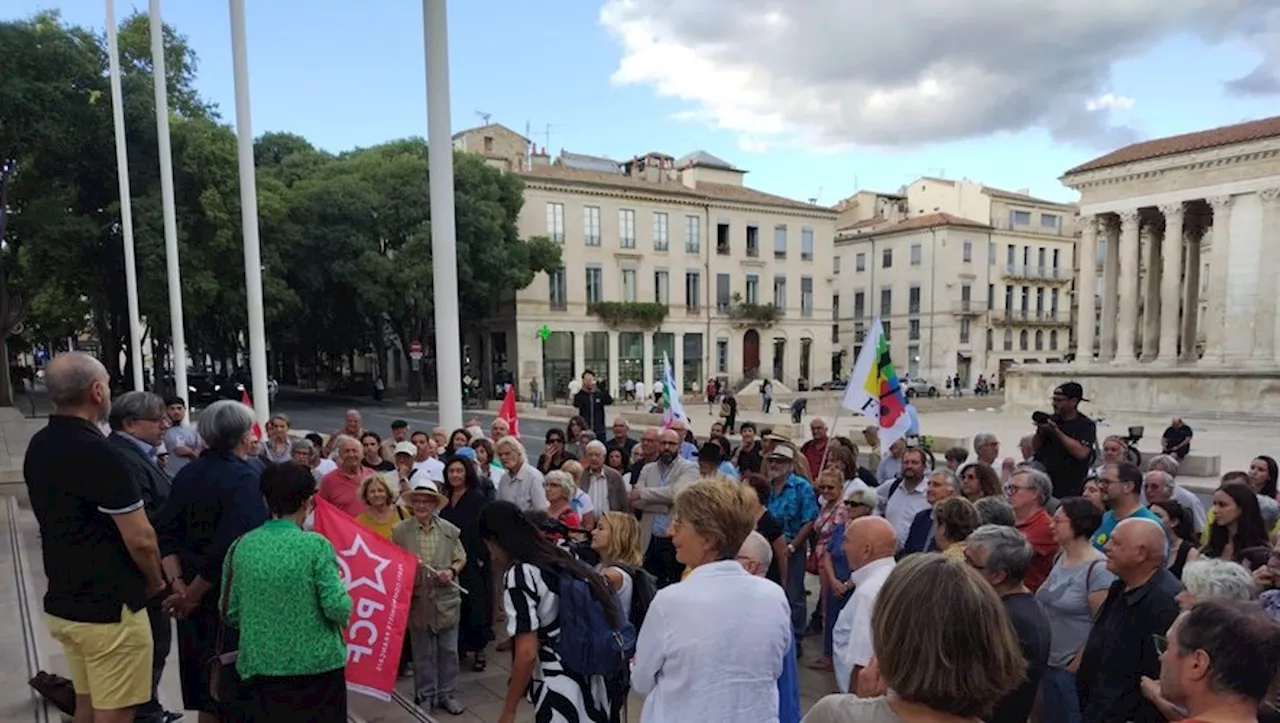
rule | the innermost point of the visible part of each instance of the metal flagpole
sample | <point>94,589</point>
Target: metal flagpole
<point>179,345</point>
<point>126,203</point>
<point>249,216</point>
<point>444,242</point>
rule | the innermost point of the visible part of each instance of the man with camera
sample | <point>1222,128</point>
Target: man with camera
<point>1064,441</point>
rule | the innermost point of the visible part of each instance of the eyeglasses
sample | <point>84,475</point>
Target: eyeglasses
<point>1010,489</point>
<point>853,503</point>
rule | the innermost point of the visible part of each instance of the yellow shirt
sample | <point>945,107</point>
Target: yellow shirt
<point>383,528</point>
<point>1208,525</point>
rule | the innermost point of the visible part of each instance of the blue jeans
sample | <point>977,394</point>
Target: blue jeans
<point>832,604</point>
<point>794,587</point>
<point>1061,702</point>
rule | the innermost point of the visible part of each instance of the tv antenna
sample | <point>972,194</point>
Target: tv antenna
<point>484,116</point>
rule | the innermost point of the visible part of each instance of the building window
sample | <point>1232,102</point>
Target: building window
<point>722,356</point>
<point>913,300</point>
<point>860,262</point>
<point>806,244</point>
<point>591,225</point>
<point>1008,298</point>
<point>595,347</point>
<point>835,306</point>
<point>1039,341</point>
<point>991,253</point>
<point>627,228</point>
<point>559,290</point>
<point>722,238</point>
<point>886,303</point>
<point>1050,222</point>
<point>835,265</point>
<point>629,285</point>
<point>859,304</point>
<point>913,329</point>
<point>806,299</point>
<point>779,242</point>
<point>917,251</point>
<point>595,284</point>
<point>1022,340</point>
<point>1019,218</point>
<point>1008,339</point>
<point>886,259</point>
<point>913,360</point>
<point>991,296</point>
<point>692,234</point>
<point>966,252</point>
<point>692,290</point>
<point>806,350</point>
<point>1053,303</point>
<point>780,293</point>
<point>1039,302</point>
<point>835,334</point>
<point>859,334</point>
<point>693,351</point>
<point>1053,340</point>
<point>753,288</point>
<point>555,222</point>
<point>964,330</point>
<point>722,293</point>
<point>753,241</point>
<point>991,339</point>
<point>660,242</point>
<point>661,287</point>
<point>1011,257</point>
<point>1056,253</point>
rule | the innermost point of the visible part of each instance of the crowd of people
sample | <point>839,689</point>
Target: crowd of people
<point>1055,587</point>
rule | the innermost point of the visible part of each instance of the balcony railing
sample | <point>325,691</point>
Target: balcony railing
<point>1025,316</point>
<point>1064,230</point>
<point>1037,273</point>
<point>969,307</point>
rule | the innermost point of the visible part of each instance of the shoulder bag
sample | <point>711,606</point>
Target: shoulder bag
<point>224,681</point>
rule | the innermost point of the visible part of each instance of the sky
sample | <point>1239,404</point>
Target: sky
<point>816,99</point>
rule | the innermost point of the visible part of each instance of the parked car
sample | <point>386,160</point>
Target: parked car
<point>834,385</point>
<point>917,387</point>
<point>202,389</point>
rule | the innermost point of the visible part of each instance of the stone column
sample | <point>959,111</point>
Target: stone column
<point>1264,327</point>
<point>614,381</point>
<point>1170,277</point>
<point>579,354</point>
<point>1193,234</point>
<point>1110,282</point>
<point>1127,323</point>
<point>677,362</point>
<point>1088,265</point>
<point>646,356</point>
<point>1220,256</point>
<point>1151,243</point>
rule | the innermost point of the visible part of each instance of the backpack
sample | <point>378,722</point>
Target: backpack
<point>587,645</point>
<point>644,586</point>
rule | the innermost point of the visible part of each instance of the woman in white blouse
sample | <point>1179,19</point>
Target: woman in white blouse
<point>711,648</point>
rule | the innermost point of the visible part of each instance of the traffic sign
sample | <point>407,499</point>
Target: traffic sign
<point>415,350</point>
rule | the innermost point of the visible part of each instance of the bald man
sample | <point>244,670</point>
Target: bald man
<point>755,555</point>
<point>869,544</point>
<point>653,494</point>
<point>100,552</point>
<point>1142,604</point>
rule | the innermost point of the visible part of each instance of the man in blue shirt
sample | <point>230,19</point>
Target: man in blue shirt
<point>755,556</point>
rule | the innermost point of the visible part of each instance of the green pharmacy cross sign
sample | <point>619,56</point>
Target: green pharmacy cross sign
<point>544,332</point>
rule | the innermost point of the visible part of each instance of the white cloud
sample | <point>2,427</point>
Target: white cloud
<point>834,73</point>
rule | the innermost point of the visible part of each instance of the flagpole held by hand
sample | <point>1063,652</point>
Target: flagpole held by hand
<point>436,572</point>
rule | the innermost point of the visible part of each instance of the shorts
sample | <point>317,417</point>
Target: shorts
<point>109,662</point>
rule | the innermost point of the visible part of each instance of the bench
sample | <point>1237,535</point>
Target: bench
<point>1195,465</point>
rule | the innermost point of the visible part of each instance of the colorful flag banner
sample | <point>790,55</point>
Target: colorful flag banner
<point>507,412</point>
<point>672,406</point>
<point>379,577</point>
<point>874,390</point>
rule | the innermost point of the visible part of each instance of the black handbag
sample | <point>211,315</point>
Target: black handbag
<point>224,681</point>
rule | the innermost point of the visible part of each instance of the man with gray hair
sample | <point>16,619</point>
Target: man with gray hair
<point>1029,490</point>
<point>986,447</point>
<point>942,484</point>
<point>100,551</point>
<point>1004,557</point>
<point>603,485</point>
<point>1160,485</point>
<point>138,423</point>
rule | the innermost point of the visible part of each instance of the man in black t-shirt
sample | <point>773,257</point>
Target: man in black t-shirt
<point>1176,440</point>
<point>100,551</point>
<point>1064,443</point>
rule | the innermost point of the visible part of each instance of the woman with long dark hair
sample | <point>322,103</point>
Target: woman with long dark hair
<point>1237,523</point>
<point>534,568</point>
<point>466,501</point>
<point>1262,475</point>
<point>1182,538</point>
<point>458,439</point>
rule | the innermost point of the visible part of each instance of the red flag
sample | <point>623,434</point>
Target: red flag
<point>379,577</point>
<point>245,400</point>
<point>507,412</point>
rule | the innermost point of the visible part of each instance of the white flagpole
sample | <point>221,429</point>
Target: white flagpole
<point>249,216</point>
<point>174,269</point>
<point>126,202</point>
<point>444,241</point>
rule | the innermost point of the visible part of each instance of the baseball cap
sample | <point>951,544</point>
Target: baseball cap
<point>406,448</point>
<point>1071,390</point>
<point>465,453</point>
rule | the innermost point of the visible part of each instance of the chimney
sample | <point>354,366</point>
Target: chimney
<point>540,157</point>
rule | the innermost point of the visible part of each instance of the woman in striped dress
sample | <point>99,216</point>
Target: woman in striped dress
<point>533,566</point>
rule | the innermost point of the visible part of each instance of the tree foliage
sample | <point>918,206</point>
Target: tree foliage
<point>346,238</point>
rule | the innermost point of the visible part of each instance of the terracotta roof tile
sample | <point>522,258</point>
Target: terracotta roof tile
<point>705,191</point>
<point>1200,140</point>
<point>864,223</point>
<point>932,220</point>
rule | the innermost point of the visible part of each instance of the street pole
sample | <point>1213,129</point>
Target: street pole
<point>178,349</point>
<point>444,241</point>
<point>249,217</point>
<point>126,202</point>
